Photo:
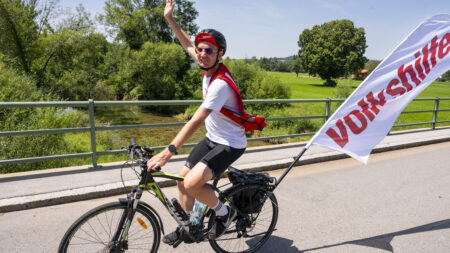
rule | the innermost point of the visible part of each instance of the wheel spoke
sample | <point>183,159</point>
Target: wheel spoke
<point>249,231</point>
<point>94,230</point>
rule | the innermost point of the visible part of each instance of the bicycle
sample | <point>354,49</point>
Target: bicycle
<point>134,226</point>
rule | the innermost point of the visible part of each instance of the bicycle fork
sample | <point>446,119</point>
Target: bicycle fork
<point>119,241</point>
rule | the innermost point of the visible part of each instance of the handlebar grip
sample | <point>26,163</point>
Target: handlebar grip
<point>139,152</point>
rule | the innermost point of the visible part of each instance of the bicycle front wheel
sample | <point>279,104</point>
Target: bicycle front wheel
<point>94,231</point>
<point>254,222</point>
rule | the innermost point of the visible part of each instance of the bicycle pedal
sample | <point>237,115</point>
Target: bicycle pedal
<point>176,243</point>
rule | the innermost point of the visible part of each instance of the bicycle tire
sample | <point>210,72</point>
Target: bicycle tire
<point>92,232</point>
<point>258,226</point>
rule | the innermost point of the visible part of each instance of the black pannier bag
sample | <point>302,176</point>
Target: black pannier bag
<point>249,200</point>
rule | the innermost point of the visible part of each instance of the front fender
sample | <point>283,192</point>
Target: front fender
<point>152,210</point>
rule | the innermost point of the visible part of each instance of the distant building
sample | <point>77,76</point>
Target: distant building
<point>362,74</point>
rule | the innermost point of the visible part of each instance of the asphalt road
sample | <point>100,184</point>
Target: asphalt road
<point>399,202</point>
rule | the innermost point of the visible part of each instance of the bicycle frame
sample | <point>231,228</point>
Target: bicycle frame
<point>147,182</point>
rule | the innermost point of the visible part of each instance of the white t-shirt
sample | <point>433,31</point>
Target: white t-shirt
<point>221,129</point>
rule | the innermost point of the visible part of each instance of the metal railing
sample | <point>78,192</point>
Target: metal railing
<point>92,128</point>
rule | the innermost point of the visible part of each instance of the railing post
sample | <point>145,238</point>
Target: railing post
<point>93,142</point>
<point>435,113</point>
<point>327,109</point>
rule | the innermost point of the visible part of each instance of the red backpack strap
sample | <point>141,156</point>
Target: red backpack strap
<point>224,74</point>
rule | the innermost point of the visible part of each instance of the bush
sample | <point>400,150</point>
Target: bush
<point>254,83</point>
<point>342,90</point>
<point>18,87</point>
<point>445,77</point>
<point>153,71</point>
<point>292,126</point>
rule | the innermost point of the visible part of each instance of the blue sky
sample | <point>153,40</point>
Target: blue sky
<point>270,28</point>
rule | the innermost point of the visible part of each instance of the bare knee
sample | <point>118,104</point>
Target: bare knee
<point>180,185</point>
<point>190,186</point>
<point>197,178</point>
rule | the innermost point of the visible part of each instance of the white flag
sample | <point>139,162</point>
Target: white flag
<point>366,117</point>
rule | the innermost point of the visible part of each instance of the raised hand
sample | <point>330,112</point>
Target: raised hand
<point>168,10</point>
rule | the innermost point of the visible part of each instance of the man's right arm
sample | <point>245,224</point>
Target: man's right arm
<point>181,35</point>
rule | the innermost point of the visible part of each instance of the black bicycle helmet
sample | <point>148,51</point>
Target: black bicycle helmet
<point>212,36</point>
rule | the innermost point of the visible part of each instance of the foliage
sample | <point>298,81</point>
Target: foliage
<point>445,77</point>
<point>342,90</point>
<point>79,21</point>
<point>19,32</point>
<point>18,87</point>
<point>138,21</point>
<point>290,126</point>
<point>190,87</point>
<point>288,64</point>
<point>150,73</point>
<point>66,63</point>
<point>71,65</point>
<point>371,65</point>
<point>333,49</point>
<point>296,66</point>
<point>255,83</point>
<point>75,63</point>
<point>273,64</point>
<point>21,23</point>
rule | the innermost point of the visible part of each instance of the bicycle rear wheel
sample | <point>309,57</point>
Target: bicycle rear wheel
<point>93,232</point>
<point>254,223</point>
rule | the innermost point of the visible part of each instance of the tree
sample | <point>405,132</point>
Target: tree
<point>21,23</point>
<point>333,49</point>
<point>19,32</point>
<point>295,65</point>
<point>150,73</point>
<point>79,21</point>
<point>138,21</point>
<point>71,65</point>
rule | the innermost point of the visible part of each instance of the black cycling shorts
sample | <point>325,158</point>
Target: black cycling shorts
<point>216,156</point>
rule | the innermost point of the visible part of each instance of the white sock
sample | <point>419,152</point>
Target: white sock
<point>220,209</point>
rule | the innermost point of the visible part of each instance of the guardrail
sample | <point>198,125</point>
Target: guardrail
<point>92,128</point>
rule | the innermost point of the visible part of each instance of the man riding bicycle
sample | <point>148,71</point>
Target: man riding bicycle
<point>225,140</point>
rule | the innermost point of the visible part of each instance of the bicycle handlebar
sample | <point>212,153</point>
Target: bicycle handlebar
<point>144,157</point>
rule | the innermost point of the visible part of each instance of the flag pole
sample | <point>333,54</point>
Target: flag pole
<point>302,152</point>
<point>292,165</point>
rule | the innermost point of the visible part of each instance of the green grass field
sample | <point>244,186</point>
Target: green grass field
<point>304,87</point>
